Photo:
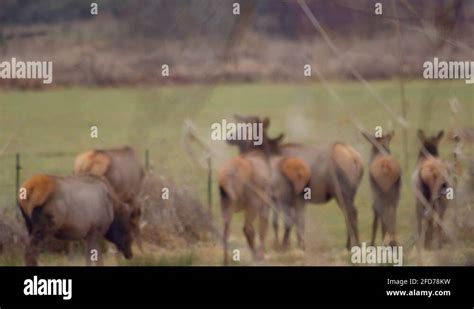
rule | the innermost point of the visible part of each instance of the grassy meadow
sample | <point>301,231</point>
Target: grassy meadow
<point>48,128</point>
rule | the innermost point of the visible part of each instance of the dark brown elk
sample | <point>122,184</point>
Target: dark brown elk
<point>430,184</point>
<point>124,172</point>
<point>385,183</point>
<point>74,208</point>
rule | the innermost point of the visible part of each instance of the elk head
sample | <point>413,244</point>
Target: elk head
<point>268,145</point>
<point>379,144</point>
<point>429,144</point>
<point>122,229</point>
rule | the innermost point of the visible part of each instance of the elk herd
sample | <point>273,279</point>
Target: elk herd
<point>280,178</point>
<point>268,179</point>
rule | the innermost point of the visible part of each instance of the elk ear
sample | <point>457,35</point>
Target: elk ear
<point>421,135</point>
<point>278,139</point>
<point>297,172</point>
<point>440,135</point>
<point>266,122</point>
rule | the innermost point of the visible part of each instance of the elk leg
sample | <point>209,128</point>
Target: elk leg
<point>374,227</point>
<point>263,225</point>
<point>275,227</point>
<point>439,228</point>
<point>136,215</point>
<point>421,220</point>
<point>354,228</point>
<point>384,230</point>
<point>250,214</point>
<point>389,222</point>
<point>289,219</point>
<point>226,217</point>
<point>429,233</point>
<point>350,214</point>
<point>32,250</point>
<point>299,214</point>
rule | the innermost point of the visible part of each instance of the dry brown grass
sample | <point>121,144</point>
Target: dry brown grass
<point>174,222</point>
<point>463,221</point>
<point>12,236</point>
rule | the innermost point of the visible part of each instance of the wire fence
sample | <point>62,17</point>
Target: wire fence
<point>9,191</point>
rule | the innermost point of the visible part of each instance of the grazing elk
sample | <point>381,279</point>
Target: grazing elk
<point>336,172</point>
<point>124,172</point>
<point>74,208</point>
<point>385,182</point>
<point>430,184</point>
<point>246,183</point>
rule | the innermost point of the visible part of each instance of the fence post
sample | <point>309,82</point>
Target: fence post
<point>17,184</point>
<point>209,184</point>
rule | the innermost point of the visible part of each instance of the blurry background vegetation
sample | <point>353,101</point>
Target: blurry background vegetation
<point>128,41</point>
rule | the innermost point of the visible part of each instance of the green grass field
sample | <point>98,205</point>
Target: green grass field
<point>49,128</point>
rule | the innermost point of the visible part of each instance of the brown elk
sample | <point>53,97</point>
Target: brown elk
<point>430,184</point>
<point>74,208</point>
<point>290,177</point>
<point>124,172</point>
<point>385,183</point>
<point>246,183</point>
<point>336,172</point>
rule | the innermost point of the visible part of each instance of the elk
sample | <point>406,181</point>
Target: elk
<point>290,177</point>
<point>430,183</point>
<point>246,183</point>
<point>74,208</point>
<point>335,172</point>
<point>385,183</point>
<point>121,167</point>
